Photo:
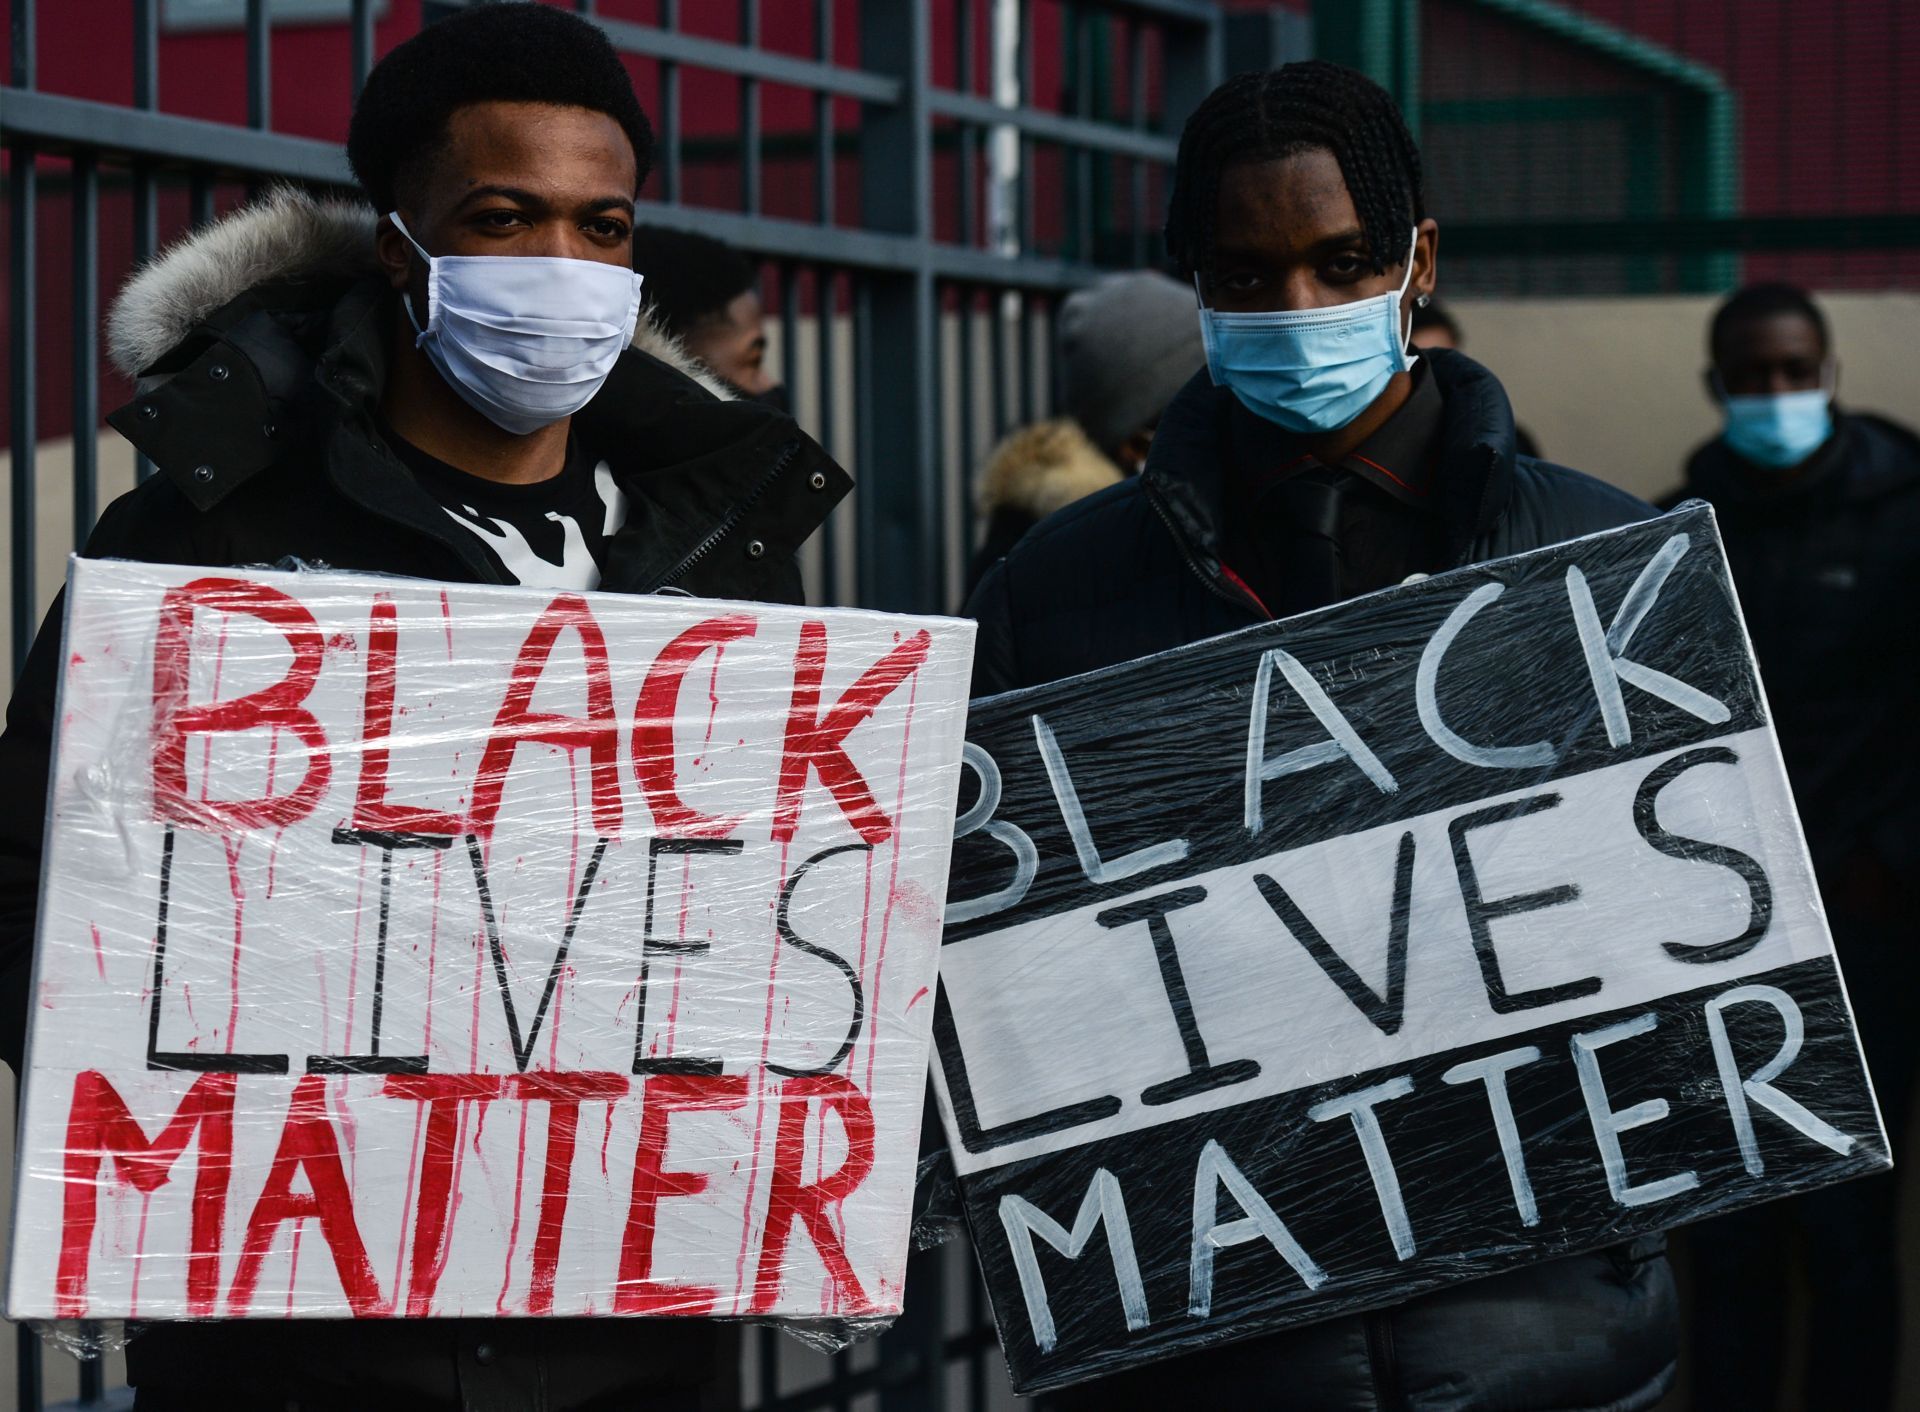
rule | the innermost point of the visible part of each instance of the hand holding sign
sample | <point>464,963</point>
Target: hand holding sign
<point>1305,969</point>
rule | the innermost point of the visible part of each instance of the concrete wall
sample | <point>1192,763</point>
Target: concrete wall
<point>1612,386</point>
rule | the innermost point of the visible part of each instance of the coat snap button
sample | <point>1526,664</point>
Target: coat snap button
<point>818,480</point>
<point>203,474</point>
<point>483,1355</point>
<point>148,412</point>
<point>756,549</point>
<point>218,372</point>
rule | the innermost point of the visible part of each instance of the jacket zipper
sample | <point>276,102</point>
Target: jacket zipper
<point>1387,1396</point>
<point>1216,589</point>
<point>733,517</point>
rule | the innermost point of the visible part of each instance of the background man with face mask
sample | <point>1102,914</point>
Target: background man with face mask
<point>1820,510</point>
<point>369,388</point>
<point>1314,460</point>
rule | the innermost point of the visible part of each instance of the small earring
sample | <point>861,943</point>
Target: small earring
<point>1424,300</point>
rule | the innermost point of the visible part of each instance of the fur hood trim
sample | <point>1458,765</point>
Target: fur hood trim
<point>288,233</point>
<point>1041,468</point>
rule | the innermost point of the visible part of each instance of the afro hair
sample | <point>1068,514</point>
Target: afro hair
<point>689,278</point>
<point>514,53</point>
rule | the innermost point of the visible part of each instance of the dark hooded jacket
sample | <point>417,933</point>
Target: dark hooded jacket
<point>1827,566</point>
<point>263,343</point>
<point>1138,569</point>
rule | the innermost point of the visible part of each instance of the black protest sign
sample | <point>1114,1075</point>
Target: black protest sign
<point>1310,968</point>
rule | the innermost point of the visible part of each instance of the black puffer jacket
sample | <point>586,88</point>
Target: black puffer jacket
<point>275,340</point>
<point>1826,566</point>
<point>1137,569</point>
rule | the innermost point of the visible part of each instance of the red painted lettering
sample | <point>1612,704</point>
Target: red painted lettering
<point>307,1144</point>
<point>653,717</point>
<point>432,1216</point>
<point>791,1201</point>
<point>637,1292</point>
<point>820,741</point>
<point>515,725</point>
<point>565,1092</point>
<point>275,707</point>
<point>100,1126</point>
<point>372,810</point>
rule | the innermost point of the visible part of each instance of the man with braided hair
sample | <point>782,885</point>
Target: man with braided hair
<point>1315,459</point>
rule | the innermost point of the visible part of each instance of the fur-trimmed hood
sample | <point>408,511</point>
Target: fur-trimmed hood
<point>287,234</point>
<point>1042,468</point>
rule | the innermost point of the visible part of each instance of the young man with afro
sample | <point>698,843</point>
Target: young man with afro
<point>339,384</point>
<point>1312,461</point>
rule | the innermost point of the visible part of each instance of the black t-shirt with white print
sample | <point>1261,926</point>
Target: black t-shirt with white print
<point>550,534</point>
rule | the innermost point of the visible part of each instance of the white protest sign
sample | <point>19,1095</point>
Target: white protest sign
<point>409,950</point>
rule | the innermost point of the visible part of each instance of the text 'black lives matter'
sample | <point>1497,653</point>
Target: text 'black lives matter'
<point>1451,929</point>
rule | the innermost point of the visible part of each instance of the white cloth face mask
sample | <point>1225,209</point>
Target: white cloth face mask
<point>525,339</point>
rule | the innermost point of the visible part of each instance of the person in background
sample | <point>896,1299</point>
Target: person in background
<point>1436,327</point>
<point>705,293</point>
<point>1820,512</point>
<point>1127,344</point>
<point>423,418</point>
<point>1315,460</point>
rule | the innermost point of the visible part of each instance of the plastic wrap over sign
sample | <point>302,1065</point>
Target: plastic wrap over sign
<point>409,950</point>
<point>1449,929</point>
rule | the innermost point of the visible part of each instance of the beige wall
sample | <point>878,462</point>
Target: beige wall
<point>1612,386</point>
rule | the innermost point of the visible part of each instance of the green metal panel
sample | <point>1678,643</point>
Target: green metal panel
<point>1381,38</point>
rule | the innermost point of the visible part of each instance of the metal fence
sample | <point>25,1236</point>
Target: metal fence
<point>923,198</point>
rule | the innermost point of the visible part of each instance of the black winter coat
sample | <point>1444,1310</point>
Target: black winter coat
<point>1137,569</point>
<point>1828,570</point>
<point>267,448</point>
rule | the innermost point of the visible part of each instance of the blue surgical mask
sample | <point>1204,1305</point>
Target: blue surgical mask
<point>1779,430</point>
<point>1310,370</point>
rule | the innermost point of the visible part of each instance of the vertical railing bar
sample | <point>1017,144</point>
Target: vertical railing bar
<point>362,23</point>
<point>965,300</point>
<point>750,114</point>
<point>259,66</point>
<point>842,1365</point>
<point>1026,187</point>
<point>823,117</point>
<point>866,531</point>
<point>976,1317</point>
<point>25,40</point>
<point>93,1368</point>
<point>1083,159</point>
<point>997,360</point>
<point>200,197</point>
<point>22,190</point>
<point>769,1367</point>
<point>1138,106</point>
<point>968,148</point>
<point>826,302</point>
<point>670,172</point>
<point>86,348</point>
<point>146,53</point>
<point>1028,409</point>
<point>789,326</point>
<point>146,208</point>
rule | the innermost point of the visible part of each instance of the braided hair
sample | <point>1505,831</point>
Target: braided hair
<point>1257,117</point>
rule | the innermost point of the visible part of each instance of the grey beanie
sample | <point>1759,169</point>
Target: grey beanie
<point>1127,345</point>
